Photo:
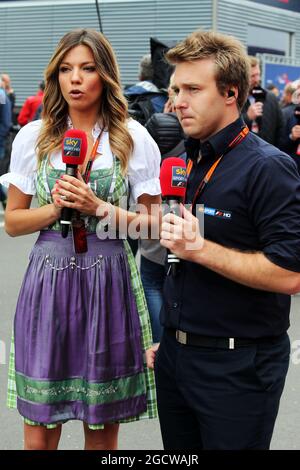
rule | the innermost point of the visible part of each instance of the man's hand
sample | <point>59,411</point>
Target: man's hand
<point>255,111</point>
<point>169,106</point>
<point>295,132</point>
<point>181,235</point>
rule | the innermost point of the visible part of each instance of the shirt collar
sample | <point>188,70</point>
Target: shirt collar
<point>217,144</point>
<point>96,128</point>
<point>96,131</point>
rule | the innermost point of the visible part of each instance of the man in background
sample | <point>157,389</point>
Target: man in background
<point>291,113</point>
<point>6,83</point>
<point>30,106</point>
<point>263,118</point>
<point>287,95</point>
<point>5,119</point>
<point>5,125</point>
<point>145,77</point>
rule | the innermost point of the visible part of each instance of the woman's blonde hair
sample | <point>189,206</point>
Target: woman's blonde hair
<point>113,108</point>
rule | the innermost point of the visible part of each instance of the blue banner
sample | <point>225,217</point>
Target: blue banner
<point>292,5</point>
<point>280,75</point>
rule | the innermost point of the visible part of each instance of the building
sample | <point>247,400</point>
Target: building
<point>31,28</point>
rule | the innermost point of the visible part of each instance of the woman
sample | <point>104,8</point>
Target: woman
<point>85,315</point>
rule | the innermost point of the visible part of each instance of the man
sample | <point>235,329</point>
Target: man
<point>167,132</point>
<point>144,98</point>
<point>273,89</point>
<point>5,125</point>
<point>30,106</point>
<point>5,119</point>
<point>224,354</point>
<point>291,140</point>
<point>287,96</point>
<point>268,112</point>
<point>6,83</point>
<point>145,82</point>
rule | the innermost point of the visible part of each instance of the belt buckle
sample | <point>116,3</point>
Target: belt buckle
<point>231,343</point>
<point>181,336</point>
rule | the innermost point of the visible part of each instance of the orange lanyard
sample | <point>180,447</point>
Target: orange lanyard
<point>236,141</point>
<point>89,165</point>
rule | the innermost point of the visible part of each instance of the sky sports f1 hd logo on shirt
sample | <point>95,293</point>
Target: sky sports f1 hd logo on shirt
<point>215,212</point>
<point>72,146</point>
<point>178,177</point>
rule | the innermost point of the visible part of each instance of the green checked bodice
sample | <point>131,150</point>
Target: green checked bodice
<point>108,184</point>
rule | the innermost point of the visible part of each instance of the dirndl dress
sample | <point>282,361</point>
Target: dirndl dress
<point>81,325</point>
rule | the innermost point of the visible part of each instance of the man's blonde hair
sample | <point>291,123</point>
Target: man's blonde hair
<point>231,63</point>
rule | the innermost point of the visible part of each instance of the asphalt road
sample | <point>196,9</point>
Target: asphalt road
<point>142,435</point>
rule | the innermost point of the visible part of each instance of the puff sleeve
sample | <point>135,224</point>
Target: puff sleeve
<point>144,164</point>
<point>23,164</point>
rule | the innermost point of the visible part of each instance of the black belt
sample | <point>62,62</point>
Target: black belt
<point>191,339</point>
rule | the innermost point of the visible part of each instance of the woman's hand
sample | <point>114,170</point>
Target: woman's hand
<point>76,194</point>
<point>55,198</point>
<point>151,354</point>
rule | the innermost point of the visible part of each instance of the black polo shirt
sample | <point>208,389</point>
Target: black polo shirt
<point>252,203</point>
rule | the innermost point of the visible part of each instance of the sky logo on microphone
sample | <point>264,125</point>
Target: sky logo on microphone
<point>178,177</point>
<point>72,146</point>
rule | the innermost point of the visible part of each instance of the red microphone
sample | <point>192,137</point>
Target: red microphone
<point>173,186</point>
<point>173,179</point>
<point>74,148</point>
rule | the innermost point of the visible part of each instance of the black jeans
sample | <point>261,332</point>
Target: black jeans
<point>153,277</point>
<point>219,399</point>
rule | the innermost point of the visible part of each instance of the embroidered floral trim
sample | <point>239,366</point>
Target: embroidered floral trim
<point>110,390</point>
<point>79,389</point>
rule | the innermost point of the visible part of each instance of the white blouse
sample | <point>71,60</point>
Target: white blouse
<point>143,166</point>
